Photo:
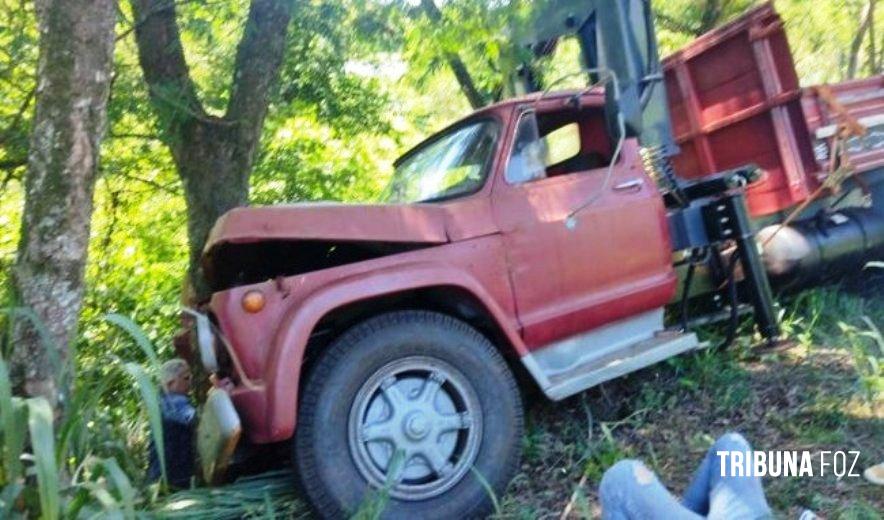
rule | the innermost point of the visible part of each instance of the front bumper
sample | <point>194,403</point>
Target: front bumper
<point>218,358</point>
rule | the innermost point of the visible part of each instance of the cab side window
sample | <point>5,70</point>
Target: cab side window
<point>562,144</point>
<point>557,143</point>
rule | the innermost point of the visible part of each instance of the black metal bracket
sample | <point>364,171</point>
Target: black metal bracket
<point>727,218</point>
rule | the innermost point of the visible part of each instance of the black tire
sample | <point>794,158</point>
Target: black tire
<point>323,453</point>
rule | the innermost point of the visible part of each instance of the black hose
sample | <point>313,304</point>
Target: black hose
<point>686,290</point>
<point>734,322</point>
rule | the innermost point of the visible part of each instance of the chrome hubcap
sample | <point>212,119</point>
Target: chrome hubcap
<point>415,427</point>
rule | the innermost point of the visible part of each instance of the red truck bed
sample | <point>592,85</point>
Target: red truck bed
<point>864,100</point>
<point>735,99</point>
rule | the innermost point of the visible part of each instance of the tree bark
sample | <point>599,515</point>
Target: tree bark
<point>458,67</point>
<point>214,155</point>
<point>865,23</point>
<point>873,63</point>
<point>73,74</point>
<point>710,16</point>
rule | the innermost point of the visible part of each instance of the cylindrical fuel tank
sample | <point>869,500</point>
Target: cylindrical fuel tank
<point>823,248</point>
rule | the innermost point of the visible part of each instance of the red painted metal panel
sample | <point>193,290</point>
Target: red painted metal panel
<point>611,264</point>
<point>271,344</point>
<point>862,99</point>
<point>735,99</point>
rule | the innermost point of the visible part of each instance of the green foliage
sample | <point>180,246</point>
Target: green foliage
<point>480,33</point>
<point>82,460</point>
<point>152,405</point>
<point>43,443</point>
<point>18,60</point>
<point>867,346</point>
<point>12,415</point>
<point>860,510</point>
<point>833,317</point>
<point>603,454</point>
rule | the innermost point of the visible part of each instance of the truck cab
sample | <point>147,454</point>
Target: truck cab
<point>522,239</point>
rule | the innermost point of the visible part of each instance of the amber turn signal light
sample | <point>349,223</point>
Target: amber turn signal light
<point>253,301</point>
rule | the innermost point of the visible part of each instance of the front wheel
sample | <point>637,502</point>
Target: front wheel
<point>415,411</point>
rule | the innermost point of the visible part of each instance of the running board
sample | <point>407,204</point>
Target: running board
<point>607,363</point>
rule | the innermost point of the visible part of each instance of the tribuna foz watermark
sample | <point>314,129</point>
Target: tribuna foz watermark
<point>839,464</point>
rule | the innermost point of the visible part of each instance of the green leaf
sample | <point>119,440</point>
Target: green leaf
<point>46,341</point>
<point>138,335</point>
<point>122,484</point>
<point>152,405</point>
<point>13,438</point>
<point>8,497</point>
<point>43,442</point>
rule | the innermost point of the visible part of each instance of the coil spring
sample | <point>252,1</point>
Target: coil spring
<point>659,167</point>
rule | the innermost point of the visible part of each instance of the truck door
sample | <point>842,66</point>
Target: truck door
<point>613,259</point>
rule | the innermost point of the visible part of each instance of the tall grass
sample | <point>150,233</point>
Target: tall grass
<point>270,495</point>
<point>52,463</point>
<point>867,347</point>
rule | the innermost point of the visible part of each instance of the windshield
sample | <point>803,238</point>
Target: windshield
<point>453,165</point>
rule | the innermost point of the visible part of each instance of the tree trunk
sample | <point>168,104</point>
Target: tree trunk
<point>855,46</point>
<point>458,67</point>
<point>213,155</point>
<point>710,16</point>
<point>215,170</point>
<point>873,64</point>
<point>74,72</point>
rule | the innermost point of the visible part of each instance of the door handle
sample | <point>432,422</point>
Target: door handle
<point>629,185</point>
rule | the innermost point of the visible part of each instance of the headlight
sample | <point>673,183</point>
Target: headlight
<point>205,339</point>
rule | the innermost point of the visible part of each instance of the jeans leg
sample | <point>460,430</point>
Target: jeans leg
<point>630,491</point>
<point>714,492</point>
<point>696,497</point>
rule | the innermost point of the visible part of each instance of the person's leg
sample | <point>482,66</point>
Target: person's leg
<point>714,492</point>
<point>630,491</point>
<point>696,497</point>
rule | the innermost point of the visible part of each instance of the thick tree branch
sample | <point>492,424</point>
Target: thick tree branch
<point>712,12</point>
<point>258,58</point>
<point>12,164</point>
<point>162,60</point>
<point>464,79</point>
<point>675,25</point>
<point>171,189</point>
<point>213,155</point>
<point>19,116</point>
<point>11,175</point>
<point>855,46</point>
<point>873,64</point>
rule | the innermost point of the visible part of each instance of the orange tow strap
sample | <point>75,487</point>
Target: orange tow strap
<point>840,167</point>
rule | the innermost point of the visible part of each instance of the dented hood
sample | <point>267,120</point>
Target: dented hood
<point>414,223</point>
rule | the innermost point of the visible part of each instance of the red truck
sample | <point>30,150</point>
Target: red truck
<point>533,242</point>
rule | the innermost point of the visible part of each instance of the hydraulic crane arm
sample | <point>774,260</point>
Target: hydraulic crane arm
<point>618,36</point>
